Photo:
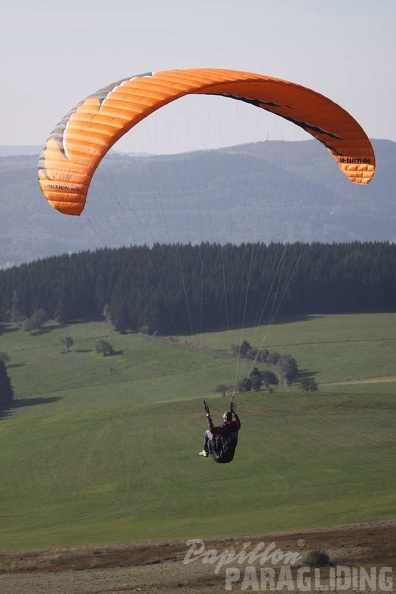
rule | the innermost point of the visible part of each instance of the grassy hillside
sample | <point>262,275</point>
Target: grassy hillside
<point>104,449</point>
<point>333,348</point>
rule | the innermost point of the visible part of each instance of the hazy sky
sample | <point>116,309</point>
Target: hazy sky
<point>55,53</point>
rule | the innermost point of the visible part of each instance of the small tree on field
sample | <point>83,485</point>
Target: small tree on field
<point>6,389</point>
<point>256,378</point>
<point>104,347</point>
<point>309,384</point>
<point>289,368</point>
<point>269,378</point>
<point>68,342</point>
<point>244,349</point>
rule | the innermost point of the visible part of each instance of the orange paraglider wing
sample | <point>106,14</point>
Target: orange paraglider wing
<point>79,142</point>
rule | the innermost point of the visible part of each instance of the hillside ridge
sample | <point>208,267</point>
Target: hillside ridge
<point>265,191</point>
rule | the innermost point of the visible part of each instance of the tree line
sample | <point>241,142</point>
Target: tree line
<point>171,289</point>
<point>278,368</point>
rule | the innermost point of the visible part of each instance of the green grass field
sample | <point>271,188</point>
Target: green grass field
<point>104,449</point>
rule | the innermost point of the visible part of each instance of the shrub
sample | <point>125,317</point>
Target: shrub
<point>104,347</point>
<point>309,384</point>
<point>317,558</point>
<point>68,342</point>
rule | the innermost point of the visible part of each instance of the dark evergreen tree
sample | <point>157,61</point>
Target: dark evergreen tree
<point>6,389</point>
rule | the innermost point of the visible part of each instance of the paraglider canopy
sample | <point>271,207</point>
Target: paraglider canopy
<point>82,138</point>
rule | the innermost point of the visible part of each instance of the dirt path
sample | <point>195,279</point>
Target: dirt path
<point>391,379</point>
<point>160,566</point>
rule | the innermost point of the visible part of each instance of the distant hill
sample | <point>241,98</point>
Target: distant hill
<point>266,191</point>
<point>13,151</point>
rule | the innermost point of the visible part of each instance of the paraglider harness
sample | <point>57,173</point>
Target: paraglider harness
<point>222,446</point>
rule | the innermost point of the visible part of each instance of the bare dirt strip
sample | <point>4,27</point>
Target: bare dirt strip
<point>370,380</point>
<point>159,567</point>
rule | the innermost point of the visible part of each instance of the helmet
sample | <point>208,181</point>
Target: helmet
<point>227,417</point>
